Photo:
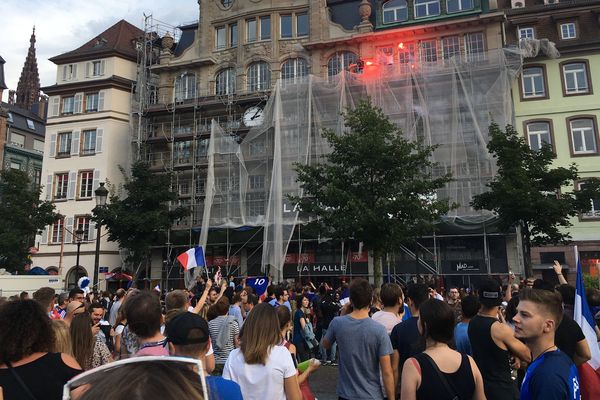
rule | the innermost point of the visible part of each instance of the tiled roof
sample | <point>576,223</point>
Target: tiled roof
<point>20,117</point>
<point>119,38</point>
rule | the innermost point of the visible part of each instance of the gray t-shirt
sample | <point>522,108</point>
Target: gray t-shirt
<point>361,342</point>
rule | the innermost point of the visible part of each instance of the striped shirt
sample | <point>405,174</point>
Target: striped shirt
<point>215,327</point>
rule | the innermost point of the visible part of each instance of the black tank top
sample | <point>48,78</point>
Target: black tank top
<point>493,362</point>
<point>45,378</point>
<point>461,382</point>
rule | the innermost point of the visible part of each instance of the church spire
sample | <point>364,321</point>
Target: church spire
<point>28,89</point>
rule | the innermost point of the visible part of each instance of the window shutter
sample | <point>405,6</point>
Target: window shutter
<point>88,69</point>
<point>78,103</point>
<point>49,187</point>
<point>55,106</point>
<point>44,239</point>
<point>92,232</point>
<point>101,100</point>
<point>64,78</point>
<point>69,230</point>
<point>74,71</point>
<point>75,143</point>
<point>96,181</point>
<point>102,66</point>
<point>99,133</point>
<point>72,185</point>
<point>52,152</point>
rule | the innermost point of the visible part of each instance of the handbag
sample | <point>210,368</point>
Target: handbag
<point>442,377</point>
<point>20,381</point>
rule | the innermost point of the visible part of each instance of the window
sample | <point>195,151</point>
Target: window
<point>475,46</point>
<point>251,30</point>
<point>226,3</point>
<point>15,165</point>
<point>225,82</point>
<point>340,61</point>
<point>233,35</point>
<point>17,140</point>
<point>459,5</point>
<point>427,8</point>
<point>88,142</point>
<point>406,53</point>
<point>82,222</point>
<point>256,181</point>
<point>532,82</point>
<point>526,33</point>
<point>38,145</point>
<point>61,184</point>
<point>69,72</point>
<point>594,212</point>
<point>259,76</point>
<point>302,25</point>
<point>538,133</point>
<point>86,184</point>
<point>575,78</point>
<point>265,27</point>
<point>583,136</point>
<point>97,68</point>
<point>395,11</point>
<point>450,47</point>
<point>286,26</point>
<point>220,37</point>
<point>57,231</point>
<point>64,144</point>
<point>568,31</point>
<point>10,117</point>
<point>68,104</point>
<point>30,124</point>
<point>256,147</point>
<point>185,86</point>
<point>91,102</point>
<point>255,203</point>
<point>293,69</point>
<point>428,50</point>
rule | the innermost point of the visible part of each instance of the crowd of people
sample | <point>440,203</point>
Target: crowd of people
<point>225,341</point>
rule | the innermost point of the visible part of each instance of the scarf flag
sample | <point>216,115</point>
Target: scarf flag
<point>258,283</point>
<point>192,258</point>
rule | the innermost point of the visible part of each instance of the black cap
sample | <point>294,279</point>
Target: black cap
<point>490,292</point>
<point>177,330</point>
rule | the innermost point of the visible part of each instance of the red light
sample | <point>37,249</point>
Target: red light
<point>369,63</point>
<point>401,45</point>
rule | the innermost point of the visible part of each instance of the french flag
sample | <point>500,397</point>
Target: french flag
<point>589,372</point>
<point>192,258</point>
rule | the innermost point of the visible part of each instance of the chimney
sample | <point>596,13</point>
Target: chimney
<point>42,106</point>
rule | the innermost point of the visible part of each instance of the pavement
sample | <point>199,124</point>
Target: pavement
<point>323,382</point>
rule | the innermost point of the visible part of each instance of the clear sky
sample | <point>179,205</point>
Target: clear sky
<point>64,25</point>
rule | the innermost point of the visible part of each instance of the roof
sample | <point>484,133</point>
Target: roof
<point>20,117</point>
<point>119,39</point>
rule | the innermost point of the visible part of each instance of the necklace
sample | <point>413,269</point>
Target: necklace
<point>543,352</point>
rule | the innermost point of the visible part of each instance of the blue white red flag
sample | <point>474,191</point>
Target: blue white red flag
<point>589,372</point>
<point>192,258</point>
<point>258,283</point>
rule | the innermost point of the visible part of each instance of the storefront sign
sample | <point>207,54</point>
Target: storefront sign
<point>324,269</point>
<point>463,267</point>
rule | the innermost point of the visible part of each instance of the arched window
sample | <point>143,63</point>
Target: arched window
<point>340,61</point>
<point>73,276</point>
<point>395,11</point>
<point>259,76</point>
<point>225,82</point>
<point>185,86</point>
<point>293,70</point>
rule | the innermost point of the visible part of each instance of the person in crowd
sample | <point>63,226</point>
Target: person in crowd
<point>376,305</point>
<point>301,318</point>
<point>552,374</point>
<point>224,332</point>
<point>105,330</point>
<point>263,368</point>
<point>281,298</point>
<point>213,295</point>
<point>329,309</point>
<point>433,293</point>
<point>73,308</point>
<point>235,309</point>
<point>249,304</point>
<point>105,300</point>
<point>29,369</point>
<point>365,349</point>
<point>76,294</point>
<point>492,343</point>
<point>144,318</point>
<point>454,302</point>
<point>469,308</point>
<point>392,301</point>
<point>116,305</point>
<point>45,296</point>
<point>89,352</point>
<point>188,335</point>
<point>24,295</point>
<point>405,337</point>
<point>440,373</point>
<point>61,304</point>
<point>62,337</point>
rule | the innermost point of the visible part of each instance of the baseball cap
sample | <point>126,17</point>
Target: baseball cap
<point>178,329</point>
<point>490,292</point>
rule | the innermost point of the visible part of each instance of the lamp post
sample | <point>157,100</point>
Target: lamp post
<point>101,194</point>
<point>78,237</point>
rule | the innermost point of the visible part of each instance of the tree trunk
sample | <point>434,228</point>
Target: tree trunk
<point>377,273</point>
<point>526,250</point>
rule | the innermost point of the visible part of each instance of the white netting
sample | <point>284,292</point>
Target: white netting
<point>449,103</point>
<point>531,48</point>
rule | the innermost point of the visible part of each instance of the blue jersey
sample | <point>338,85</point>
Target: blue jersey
<point>551,376</point>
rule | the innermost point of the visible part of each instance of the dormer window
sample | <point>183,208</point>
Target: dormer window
<point>526,33</point>
<point>395,11</point>
<point>455,6</point>
<point>427,8</point>
<point>568,31</point>
<point>30,124</point>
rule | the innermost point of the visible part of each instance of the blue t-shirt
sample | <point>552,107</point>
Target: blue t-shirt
<point>220,388</point>
<point>274,303</point>
<point>461,338</point>
<point>297,336</point>
<point>551,376</point>
<point>361,342</point>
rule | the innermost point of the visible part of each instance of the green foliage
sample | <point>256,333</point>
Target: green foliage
<point>375,186</point>
<point>23,215</point>
<point>590,282</point>
<point>140,219</point>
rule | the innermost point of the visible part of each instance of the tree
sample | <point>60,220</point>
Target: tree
<point>528,194</point>
<point>23,215</point>
<point>375,187</point>
<point>140,219</point>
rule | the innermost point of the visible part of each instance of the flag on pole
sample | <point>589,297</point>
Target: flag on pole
<point>218,276</point>
<point>259,284</point>
<point>589,372</point>
<point>192,258</point>
<point>157,288</point>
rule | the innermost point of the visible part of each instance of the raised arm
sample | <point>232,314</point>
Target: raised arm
<point>558,269</point>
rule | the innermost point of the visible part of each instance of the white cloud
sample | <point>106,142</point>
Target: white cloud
<point>64,25</point>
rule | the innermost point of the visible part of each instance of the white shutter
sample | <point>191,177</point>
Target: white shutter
<point>44,238</point>
<point>72,185</point>
<point>78,103</point>
<point>49,188</point>
<point>102,66</point>
<point>74,76</point>
<point>52,152</point>
<point>69,230</point>
<point>92,231</point>
<point>88,69</point>
<point>65,67</point>
<point>99,133</point>
<point>55,106</point>
<point>75,143</point>
<point>96,181</point>
<point>101,100</point>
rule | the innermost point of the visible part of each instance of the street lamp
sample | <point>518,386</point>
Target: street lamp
<point>78,238</point>
<point>101,194</point>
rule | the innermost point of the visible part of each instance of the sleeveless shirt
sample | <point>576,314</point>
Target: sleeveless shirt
<point>461,381</point>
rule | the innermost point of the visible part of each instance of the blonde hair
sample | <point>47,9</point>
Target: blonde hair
<point>259,334</point>
<point>62,342</point>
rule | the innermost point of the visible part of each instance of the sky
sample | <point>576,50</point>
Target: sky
<point>64,25</point>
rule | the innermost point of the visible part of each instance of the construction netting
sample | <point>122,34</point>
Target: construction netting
<point>449,103</point>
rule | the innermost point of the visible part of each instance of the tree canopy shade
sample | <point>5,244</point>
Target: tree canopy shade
<point>23,215</point>
<point>141,216</point>
<point>527,193</point>
<point>375,186</point>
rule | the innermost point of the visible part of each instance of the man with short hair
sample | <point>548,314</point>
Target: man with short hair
<point>552,374</point>
<point>105,330</point>
<point>250,302</point>
<point>73,308</point>
<point>114,309</point>
<point>62,302</point>
<point>469,308</point>
<point>281,298</point>
<point>365,349</point>
<point>144,316</point>
<point>24,296</point>
<point>393,302</point>
<point>454,303</point>
<point>76,294</point>
<point>45,297</point>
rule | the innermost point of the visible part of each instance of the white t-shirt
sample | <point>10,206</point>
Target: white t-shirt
<point>387,319</point>
<point>257,381</point>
